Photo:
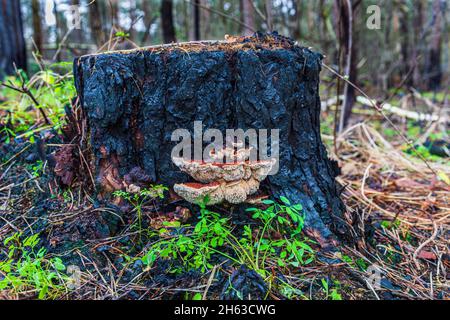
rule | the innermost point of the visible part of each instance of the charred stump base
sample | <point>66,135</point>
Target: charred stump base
<point>134,100</point>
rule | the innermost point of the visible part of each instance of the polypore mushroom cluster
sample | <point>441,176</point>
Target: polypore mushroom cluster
<point>232,181</point>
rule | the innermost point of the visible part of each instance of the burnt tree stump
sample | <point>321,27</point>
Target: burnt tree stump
<point>134,100</point>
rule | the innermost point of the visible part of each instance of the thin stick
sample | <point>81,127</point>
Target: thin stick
<point>417,251</point>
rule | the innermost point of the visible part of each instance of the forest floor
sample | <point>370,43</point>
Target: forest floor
<point>63,243</point>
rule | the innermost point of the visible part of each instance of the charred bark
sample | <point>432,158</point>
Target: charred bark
<point>135,100</point>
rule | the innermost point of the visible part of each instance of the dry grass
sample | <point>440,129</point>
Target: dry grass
<point>382,183</point>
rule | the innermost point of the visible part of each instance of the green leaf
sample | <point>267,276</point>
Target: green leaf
<point>325,284</point>
<point>256,215</point>
<point>217,228</point>
<point>13,237</point>
<point>335,295</point>
<point>198,227</point>
<point>57,262</point>
<point>43,292</point>
<point>305,246</point>
<point>295,263</point>
<point>266,201</point>
<point>197,296</point>
<point>285,200</point>
<point>294,217</point>
<point>31,241</point>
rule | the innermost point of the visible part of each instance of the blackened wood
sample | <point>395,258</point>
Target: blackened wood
<point>134,101</point>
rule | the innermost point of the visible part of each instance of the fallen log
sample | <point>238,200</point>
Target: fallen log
<point>135,100</point>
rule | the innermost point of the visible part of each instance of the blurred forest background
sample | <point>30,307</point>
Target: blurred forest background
<point>410,48</point>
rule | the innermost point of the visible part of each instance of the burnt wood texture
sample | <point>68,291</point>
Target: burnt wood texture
<point>134,100</point>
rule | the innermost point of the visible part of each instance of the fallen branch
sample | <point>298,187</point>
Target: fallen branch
<point>413,115</point>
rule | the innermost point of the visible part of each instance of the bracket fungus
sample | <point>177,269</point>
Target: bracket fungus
<point>232,181</point>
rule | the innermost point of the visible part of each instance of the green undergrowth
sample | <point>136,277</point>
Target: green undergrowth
<point>52,88</point>
<point>276,239</point>
<point>25,269</point>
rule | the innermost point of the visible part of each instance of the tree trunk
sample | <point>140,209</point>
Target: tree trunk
<point>347,42</point>
<point>195,34</point>
<point>186,20</point>
<point>248,17</point>
<point>167,26</point>
<point>405,43</point>
<point>322,22</point>
<point>37,26</point>
<point>76,36</point>
<point>296,20</point>
<point>12,48</point>
<point>269,16</point>
<point>95,23</point>
<point>417,49</point>
<point>132,15</point>
<point>58,26</point>
<point>434,62</point>
<point>114,8</point>
<point>206,19</point>
<point>134,101</point>
<point>149,19</point>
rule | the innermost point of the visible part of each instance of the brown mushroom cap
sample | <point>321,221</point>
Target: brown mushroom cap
<point>232,182</point>
<point>235,192</point>
<point>207,172</point>
<point>251,185</point>
<point>260,169</point>
<point>194,192</point>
